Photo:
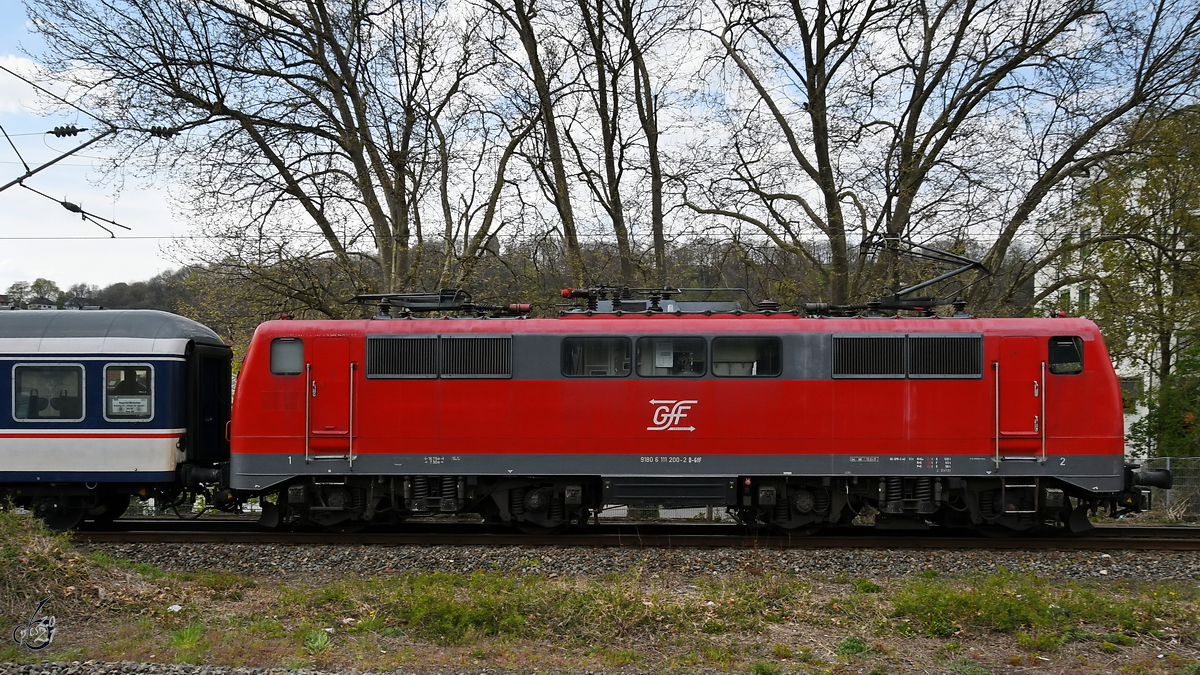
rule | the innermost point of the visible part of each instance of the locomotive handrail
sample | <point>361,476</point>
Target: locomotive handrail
<point>350,424</point>
<point>307,407</point>
<point>996,368</point>
<point>1042,396</point>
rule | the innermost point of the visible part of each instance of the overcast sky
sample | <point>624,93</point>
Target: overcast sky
<point>38,237</point>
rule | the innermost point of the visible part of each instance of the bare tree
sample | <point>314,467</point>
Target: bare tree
<point>882,118</point>
<point>303,132</point>
<point>603,73</point>
<point>619,39</point>
<point>519,15</point>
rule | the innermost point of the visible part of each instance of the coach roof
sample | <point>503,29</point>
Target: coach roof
<point>104,323</point>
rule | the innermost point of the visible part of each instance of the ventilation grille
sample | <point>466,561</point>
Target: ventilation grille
<point>402,357</point>
<point>945,356</point>
<point>868,356</point>
<point>476,357</point>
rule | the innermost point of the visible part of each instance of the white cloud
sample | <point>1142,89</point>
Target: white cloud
<point>16,96</point>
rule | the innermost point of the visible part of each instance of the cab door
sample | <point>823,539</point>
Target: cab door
<point>329,387</point>
<point>1020,387</point>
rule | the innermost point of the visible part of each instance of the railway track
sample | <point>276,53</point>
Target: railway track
<point>640,535</point>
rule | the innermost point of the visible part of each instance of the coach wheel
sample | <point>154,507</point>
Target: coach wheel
<point>109,509</point>
<point>62,518</point>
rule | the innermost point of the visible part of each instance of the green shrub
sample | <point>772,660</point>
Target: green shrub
<point>782,651</point>
<point>317,641</point>
<point>851,646</point>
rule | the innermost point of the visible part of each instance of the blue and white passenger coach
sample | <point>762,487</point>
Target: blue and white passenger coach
<point>97,406</point>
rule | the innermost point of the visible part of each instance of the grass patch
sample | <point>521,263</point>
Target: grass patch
<point>752,622</point>
<point>865,586</point>
<point>189,636</point>
<point>36,563</point>
<point>1041,613</point>
<point>765,668</point>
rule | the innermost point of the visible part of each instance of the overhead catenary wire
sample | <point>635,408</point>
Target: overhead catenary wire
<point>85,215</point>
<point>55,96</point>
<point>14,147</point>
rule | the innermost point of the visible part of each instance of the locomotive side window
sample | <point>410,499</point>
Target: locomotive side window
<point>287,356</point>
<point>128,392</point>
<point>746,356</point>
<point>50,393</point>
<point>1066,355</point>
<point>596,357</point>
<point>671,357</point>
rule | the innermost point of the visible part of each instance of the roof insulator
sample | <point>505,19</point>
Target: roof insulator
<point>68,130</point>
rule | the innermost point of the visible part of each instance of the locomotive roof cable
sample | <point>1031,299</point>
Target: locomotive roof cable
<point>615,299</point>
<point>445,300</point>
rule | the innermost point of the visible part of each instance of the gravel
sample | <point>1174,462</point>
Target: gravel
<point>307,561</point>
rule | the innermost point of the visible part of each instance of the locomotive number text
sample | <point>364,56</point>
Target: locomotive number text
<point>671,459</point>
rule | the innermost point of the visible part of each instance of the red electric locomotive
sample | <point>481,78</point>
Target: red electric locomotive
<point>784,418</point>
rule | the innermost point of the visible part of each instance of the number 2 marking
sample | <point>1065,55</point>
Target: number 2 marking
<point>1062,461</point>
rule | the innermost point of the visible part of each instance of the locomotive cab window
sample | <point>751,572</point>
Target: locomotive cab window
<point>1066,355</point>
<point>746,356</point>
<point>287,356</point>
<point>48,393</point>
<point>671,357</point>
<point>595,357</point>
<point>128,392</point>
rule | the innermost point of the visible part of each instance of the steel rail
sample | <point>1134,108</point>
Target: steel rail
<point>1108,538</point>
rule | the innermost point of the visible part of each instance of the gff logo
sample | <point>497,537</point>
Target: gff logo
<point>668,415</point>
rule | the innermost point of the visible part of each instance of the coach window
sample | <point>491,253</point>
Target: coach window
<point>745,356</point>
<point>1066,355</point>
<point>596,357</point>
<point>128,392</point>
<point>48,393</point>
<point>671,357</point>
<point>287,356</point>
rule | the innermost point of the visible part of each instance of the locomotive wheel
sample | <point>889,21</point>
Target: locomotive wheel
<point>64,518</point>
<point>110,508</point>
